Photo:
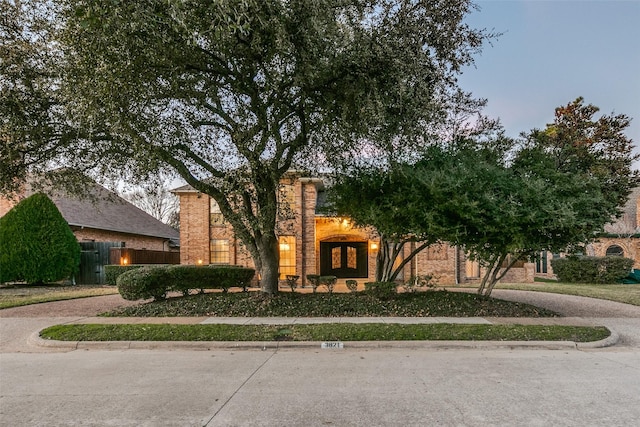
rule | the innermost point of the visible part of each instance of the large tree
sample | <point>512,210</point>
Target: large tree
<point>414,205</point>
<point>503,202</point>
<point>33,130</point>
<point>231,94</point>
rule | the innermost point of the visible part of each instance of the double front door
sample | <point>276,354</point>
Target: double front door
<point>344,259</point>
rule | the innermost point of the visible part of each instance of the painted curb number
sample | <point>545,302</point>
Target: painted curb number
<point>332,344</point>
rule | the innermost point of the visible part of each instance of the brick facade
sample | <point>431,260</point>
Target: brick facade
<point>445,262</point>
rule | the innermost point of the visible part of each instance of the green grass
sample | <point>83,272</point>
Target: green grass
<point>16,296</point>
<point>421,304</point>
<point>628,294</point>
<point>323,332</point>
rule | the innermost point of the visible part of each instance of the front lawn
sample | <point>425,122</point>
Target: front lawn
<point>285,304</point>
<point>19,295</point>
<point>628,294</point>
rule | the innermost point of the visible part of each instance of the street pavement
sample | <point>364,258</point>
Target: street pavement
<point>491,385</point>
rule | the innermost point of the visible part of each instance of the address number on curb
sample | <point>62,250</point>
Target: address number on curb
<point>332,344</point>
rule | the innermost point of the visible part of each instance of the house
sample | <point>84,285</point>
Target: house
<point>620,238</point>
<point>314,243</point>
<point>102,220</point>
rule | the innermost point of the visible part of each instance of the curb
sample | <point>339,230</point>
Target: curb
<point>36,340</point>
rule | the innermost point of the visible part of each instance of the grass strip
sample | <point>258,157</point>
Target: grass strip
<point>16,300</point>
<point>627,294</point>
<point>323,332</point>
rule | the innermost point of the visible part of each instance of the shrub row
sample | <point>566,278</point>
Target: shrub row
<point>602,270</point>
<point>112,272</point>
<point>155,281</point>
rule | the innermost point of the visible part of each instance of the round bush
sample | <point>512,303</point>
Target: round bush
<point>144,283</point>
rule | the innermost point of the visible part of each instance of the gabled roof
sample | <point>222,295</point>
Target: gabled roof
<point>102,209</point>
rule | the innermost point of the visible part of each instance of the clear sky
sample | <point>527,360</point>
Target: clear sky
<point>552,52</point>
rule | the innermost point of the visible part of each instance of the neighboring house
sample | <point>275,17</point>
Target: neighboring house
<point>620,238</point>
<point>313,243</point>
<point>101,220</point>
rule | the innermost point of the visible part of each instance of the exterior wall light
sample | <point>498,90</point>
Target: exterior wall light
<point>374,246</point>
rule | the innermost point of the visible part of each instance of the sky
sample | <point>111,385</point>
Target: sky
<point>552,52</point>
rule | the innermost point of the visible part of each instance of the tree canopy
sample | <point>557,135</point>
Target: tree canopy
<point>232,94</point>
<point>503,202</point>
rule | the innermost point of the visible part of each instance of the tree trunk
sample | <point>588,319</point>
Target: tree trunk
<point>386,268</point>
<point>269,264</point>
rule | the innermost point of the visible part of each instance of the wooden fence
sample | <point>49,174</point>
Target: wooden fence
<point>128,256</point>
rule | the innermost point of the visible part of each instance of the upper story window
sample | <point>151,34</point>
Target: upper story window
<point>215,215</point>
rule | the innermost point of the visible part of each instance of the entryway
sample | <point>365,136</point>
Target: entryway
<point>344,259</point>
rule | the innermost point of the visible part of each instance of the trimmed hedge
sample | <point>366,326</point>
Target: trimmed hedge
<point>143,283</point>
<point>154,282</point>
<point>113,271</point>
<point>603,270</point>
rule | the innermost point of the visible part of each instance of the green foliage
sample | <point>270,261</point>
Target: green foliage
<point>352,285</point>
<point>603,270</point>
<point>359,304</point>
<point>112,272</point>
<point>243,91</point>
<point>32,129</point>
<point>144,283</point>
<point>292,281</point>
<point>414,283</point>
<point>503,202</point>
<point>155,282</point>
<point>36,244</point>
<point>324,332</point>
<point>314,279</point>
<point>328,282</point>
<point>381,290</point>
<point>185,277</point>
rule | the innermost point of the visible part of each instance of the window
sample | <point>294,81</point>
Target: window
<point>541,263</point>
<point>216,217</point>
<point>472,269</point>
<point>219,251</point>
<point>287,255</point>
<point>615,250</point>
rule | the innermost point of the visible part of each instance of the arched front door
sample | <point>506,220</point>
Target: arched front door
<point>344,259</point>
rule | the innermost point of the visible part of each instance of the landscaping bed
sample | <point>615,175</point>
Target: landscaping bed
<point>285,304</point>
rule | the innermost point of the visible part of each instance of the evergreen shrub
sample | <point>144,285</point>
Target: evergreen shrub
<point>113,271</point>
<point>603,270</point>
<point>155,281</point>
<point>36,243</point>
